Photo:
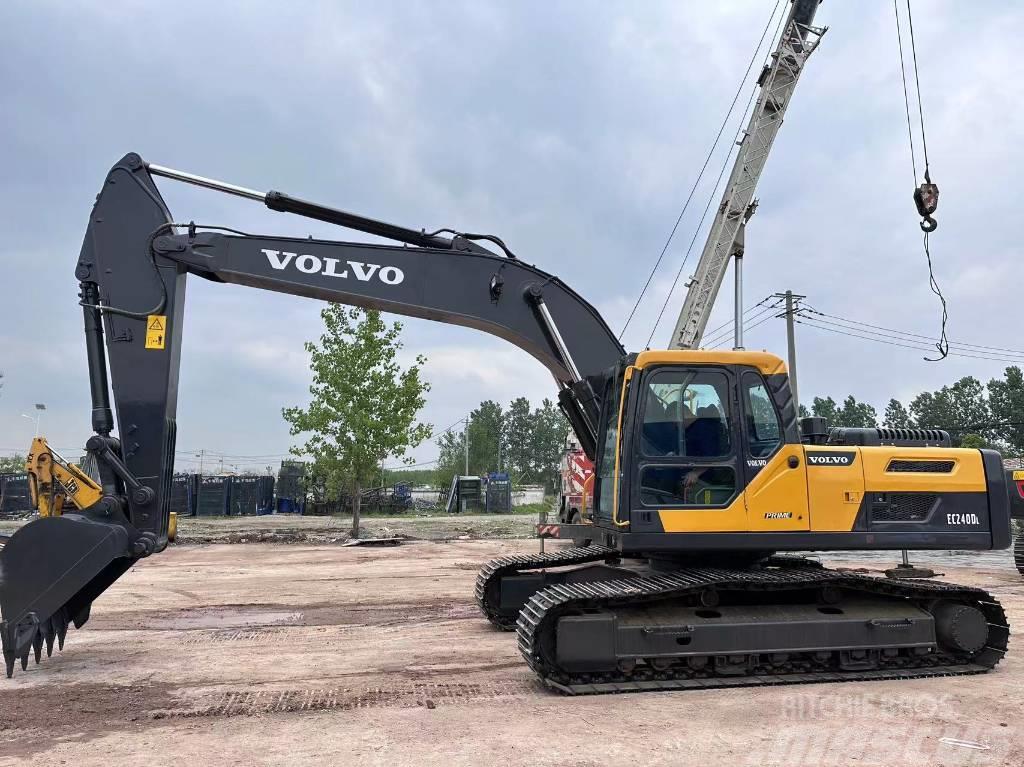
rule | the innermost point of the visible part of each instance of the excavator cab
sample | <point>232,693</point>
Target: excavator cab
<point>699,453</point>
<point>686,435</point>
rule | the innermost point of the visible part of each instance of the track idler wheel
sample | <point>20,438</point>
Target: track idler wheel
<point>961,628</point>
<point>50,572</point>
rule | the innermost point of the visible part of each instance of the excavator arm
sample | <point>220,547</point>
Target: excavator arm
<point>132,273</point>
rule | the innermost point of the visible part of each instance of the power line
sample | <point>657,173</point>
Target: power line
<point>727,325</point>
<point>714,339</point>
<point>746,328</point>
<point>727,335</point>
<point>404,467</point>
<point>707,159</point>
<point>958,344</point>
<point>892,341</point>
<point>464,419</point>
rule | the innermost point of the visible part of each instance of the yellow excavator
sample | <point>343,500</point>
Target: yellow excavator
<point>702,471</point>
<point>56,484</point>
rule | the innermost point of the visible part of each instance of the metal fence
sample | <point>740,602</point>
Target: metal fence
<point>14,495</point>
<point>214,496</point>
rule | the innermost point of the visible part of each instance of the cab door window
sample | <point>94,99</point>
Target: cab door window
<point>686,442</point>
<point>685,415</point>
<point>764,432</point>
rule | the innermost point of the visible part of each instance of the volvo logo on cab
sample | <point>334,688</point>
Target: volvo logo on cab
<point>329,267</point>
<point>831,459</point>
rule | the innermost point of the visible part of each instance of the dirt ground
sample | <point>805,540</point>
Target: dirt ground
<point>296,654</point>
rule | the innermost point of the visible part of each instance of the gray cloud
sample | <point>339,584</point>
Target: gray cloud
<point>571,130</point>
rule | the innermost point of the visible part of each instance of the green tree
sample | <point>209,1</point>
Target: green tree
<point>363,405</point>
<point>516,441</point>
<point>410,476</point>
<point>960,408</point>
<point>485,426</point>
<point>857,414</point>
<point>12,464</point>
<point>826,408</point>
<point>896,416</point>
<point>974,441</point>
<point>547,443</point>
<point>451,456</point>
<point>803,412</point>
<point>1006,406</point>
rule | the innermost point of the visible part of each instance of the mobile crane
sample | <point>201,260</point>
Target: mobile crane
<point>726,236</point>
<point>700,473</point>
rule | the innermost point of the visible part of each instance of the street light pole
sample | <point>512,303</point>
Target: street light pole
<point>37,417</point>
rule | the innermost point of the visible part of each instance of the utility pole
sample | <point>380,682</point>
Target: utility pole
<point>792,307</point>
<point>466,440</point>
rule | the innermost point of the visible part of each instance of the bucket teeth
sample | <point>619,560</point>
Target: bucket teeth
<point>37,644</point>
<point>47,632</point>
<point>30,636</point>
<point>61,621</point>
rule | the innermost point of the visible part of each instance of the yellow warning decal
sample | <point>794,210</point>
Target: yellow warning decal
<point>1018,476</point>
<point>156,331</point>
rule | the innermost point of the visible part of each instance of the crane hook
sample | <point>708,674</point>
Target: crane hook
<point>926,198</point>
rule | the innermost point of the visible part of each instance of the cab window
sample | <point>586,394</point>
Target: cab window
<point>764,433</point>
<point>685,415</point>
<point>606,470</point>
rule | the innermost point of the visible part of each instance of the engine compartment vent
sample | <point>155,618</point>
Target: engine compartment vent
<point>867,436</point>
<point>908,465</point>
<point>903,507</point>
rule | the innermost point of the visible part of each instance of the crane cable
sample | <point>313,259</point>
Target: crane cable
<point>700,175</point>
<point>926,196</point>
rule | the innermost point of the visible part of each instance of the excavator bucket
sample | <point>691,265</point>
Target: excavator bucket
<point>51,570</point>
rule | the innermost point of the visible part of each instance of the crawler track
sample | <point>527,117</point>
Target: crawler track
<point>490,575</point>
<point>1018,553</point>
<point>538,620</point>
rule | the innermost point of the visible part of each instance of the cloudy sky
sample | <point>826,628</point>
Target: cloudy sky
<point>571,129</point>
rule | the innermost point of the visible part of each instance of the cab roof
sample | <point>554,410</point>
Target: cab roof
<point>765,362</point>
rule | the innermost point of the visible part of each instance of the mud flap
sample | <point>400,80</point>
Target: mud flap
<point>50,572</point>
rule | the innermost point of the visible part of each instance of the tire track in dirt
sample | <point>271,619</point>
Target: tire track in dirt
<point>402,695</point>
<point>259,616</point>
<point>32,721</point>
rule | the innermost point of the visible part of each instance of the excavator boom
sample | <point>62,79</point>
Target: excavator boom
<point>132,273</point>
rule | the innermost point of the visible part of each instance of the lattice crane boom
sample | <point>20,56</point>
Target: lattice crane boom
<point>778,81</point>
